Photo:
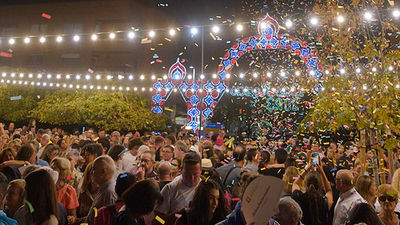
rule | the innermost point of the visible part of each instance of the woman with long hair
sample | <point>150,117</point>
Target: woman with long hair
<point>66,194</point>
<point>290,173</point>
<point>365,186</point>
<point>317,200</point>
<point>207,207</point>
<point>40,200</point>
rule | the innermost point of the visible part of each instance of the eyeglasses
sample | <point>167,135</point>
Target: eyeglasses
<point>383,198</point>
<point>145,160</point>
<point>166,151</point>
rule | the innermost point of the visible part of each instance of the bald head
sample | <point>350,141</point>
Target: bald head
<point>164,170</point>
<point>105,162</point>
<point>103,169</point>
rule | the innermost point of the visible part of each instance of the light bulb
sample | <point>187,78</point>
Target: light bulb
<point>215,29</point>
<point>194,31</point>
<point>112,35</point>
<point>152,33</point>
<point>172,32</point>
<point>239,27</point>
<point>94,37</point>
<point>289,23</point>
<point>131,34</point>
<point>314,21</point>
<point>59,39</point>
<point>340,19</point>
<point>76,38</point>
<point>368,16</point>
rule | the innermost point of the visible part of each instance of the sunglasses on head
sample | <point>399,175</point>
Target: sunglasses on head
<point>387,197</point>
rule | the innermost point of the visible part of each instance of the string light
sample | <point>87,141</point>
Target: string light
<point>373,69</point>
<point>358,70</point>
<point>194,31</point>
<point>11,41</point>
<point>112,35</point>
<point>390,68</point>
<point>396,13</point>
<point>59,39</point>
<point>340,19</point>
<point>215,29</point>
<point>141,77</point>
<point>239,27</point>
<point>76,38</point>
<point>269,74</point>
<point>93,37</point>
<point>289,23</point>
<point>131,34</point>
<point>42,39</point>
<point>172,32</point>
<point>241,75</point>
<point>314,21</point>
<point>152,33</point>
<point>368,16</point>
<point>27,40</point>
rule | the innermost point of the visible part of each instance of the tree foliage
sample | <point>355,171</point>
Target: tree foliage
<point>361,90</point>
<point>107,110</point>
<point>17,110</point>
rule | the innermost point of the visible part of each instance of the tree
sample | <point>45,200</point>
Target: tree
<point>360,50</point>
<point>17,110</point>
<point>107,110</point>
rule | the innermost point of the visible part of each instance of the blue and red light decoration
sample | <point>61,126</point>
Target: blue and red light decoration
<point>201,96</point>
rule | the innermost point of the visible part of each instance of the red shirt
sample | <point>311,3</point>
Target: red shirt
<point>104,214</point>
<point>67,196</point>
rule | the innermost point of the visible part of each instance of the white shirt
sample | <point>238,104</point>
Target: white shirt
<point>41,150</point>
<point>128,162</point>
<point>176,195</point>
<point>345,204</point>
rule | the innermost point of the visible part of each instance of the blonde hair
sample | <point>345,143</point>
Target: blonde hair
<point>396,180</point>
<point>20,184</point>
<point>363,185</point>
<point>387,189</point>
<point>86,177</point>
<point>288,178</point>
<point>64,167</point>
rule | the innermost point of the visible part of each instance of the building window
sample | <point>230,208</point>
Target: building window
<point>35,60</point>
<point>37,29</point>
<point>73,28</point>
<point>9,30</point>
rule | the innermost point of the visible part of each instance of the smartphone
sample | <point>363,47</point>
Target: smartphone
<point>315,159</point>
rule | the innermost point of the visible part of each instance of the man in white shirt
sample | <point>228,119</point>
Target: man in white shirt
<point>129,160</point>
<point>45,140</point>
<point>179,192</point>
<point>348,198</point>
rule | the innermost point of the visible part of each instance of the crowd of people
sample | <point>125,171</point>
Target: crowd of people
<point>48,176</point>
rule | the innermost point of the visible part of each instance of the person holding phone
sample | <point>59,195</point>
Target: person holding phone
<point>317,200</point>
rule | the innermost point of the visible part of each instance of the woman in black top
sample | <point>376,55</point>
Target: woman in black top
<point>317,200</point>
<point>207,207</point>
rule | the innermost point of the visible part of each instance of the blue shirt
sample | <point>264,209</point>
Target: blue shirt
<point>5,220</point>
<point>41,162</point>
